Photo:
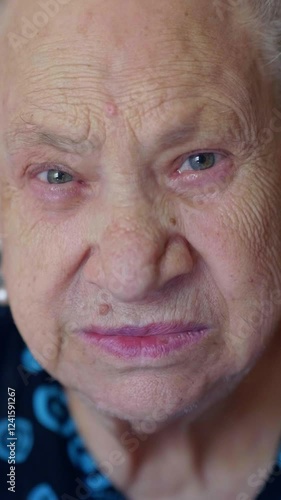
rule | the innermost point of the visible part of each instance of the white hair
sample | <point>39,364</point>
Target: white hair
<point>266,18</point>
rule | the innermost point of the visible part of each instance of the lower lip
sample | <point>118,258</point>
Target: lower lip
<point>150,346</point>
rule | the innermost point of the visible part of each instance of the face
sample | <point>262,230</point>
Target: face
<point>166,204</point>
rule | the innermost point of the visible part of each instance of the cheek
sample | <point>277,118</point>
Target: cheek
<point>238,234</point>
<point>34,316</point>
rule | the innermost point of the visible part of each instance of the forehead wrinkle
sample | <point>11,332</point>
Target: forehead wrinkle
<point>187,39</point>
<point>118,60</point>
<point>128,83</point>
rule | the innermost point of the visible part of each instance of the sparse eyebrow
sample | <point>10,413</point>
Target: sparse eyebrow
<point>36,135</point>
<point>176,135</point>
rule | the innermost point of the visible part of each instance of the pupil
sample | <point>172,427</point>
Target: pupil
<point>56,175</point>
<point>59,176</point>
<point>202,159</point>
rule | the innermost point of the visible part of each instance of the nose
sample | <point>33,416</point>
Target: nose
<point>137,255</point>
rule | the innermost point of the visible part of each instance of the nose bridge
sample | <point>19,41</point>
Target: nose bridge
<point>131,247</point>
<point>136,214</point>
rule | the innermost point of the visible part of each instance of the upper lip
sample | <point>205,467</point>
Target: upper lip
<point>150,329</point>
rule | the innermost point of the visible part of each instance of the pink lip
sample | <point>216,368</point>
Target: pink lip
<point>155,340</point>
<point>150,329</point>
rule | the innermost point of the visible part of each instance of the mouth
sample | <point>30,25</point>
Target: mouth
<point>151,329</point>
<point>153,341</point>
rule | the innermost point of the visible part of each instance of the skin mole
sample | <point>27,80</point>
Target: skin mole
<point>104,309</point>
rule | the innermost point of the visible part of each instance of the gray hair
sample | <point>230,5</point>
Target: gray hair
<point>262,19</point>
<point>267,23</point>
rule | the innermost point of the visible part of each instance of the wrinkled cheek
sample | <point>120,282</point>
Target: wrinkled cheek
<point>239,270</point>
<point>254,312</point>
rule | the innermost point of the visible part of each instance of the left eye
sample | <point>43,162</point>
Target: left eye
<point>56,176</point>
<point>201,161</point>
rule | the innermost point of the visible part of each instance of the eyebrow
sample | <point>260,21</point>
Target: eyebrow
<point>176,135</point>
<point>61,142</point>
<point>37,135</point>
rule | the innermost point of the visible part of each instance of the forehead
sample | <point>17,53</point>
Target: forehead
<point>136,54</point>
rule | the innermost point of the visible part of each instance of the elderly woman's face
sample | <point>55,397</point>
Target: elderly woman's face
<point>167,206</point>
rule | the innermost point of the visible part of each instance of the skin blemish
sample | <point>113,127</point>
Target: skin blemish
<point>111,110</point>
<point>104,309</point>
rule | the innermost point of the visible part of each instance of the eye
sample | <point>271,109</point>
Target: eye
<point>200,161</point>
<point>55,176</point>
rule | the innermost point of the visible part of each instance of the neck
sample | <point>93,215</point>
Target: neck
<point>247,422</point>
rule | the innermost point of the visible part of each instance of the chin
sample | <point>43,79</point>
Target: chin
<point>149,415</point>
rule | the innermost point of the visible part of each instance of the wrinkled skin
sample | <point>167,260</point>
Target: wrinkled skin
<point>129,239</point>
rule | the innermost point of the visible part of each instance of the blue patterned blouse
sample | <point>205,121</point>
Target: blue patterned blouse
<point>42,456</point>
